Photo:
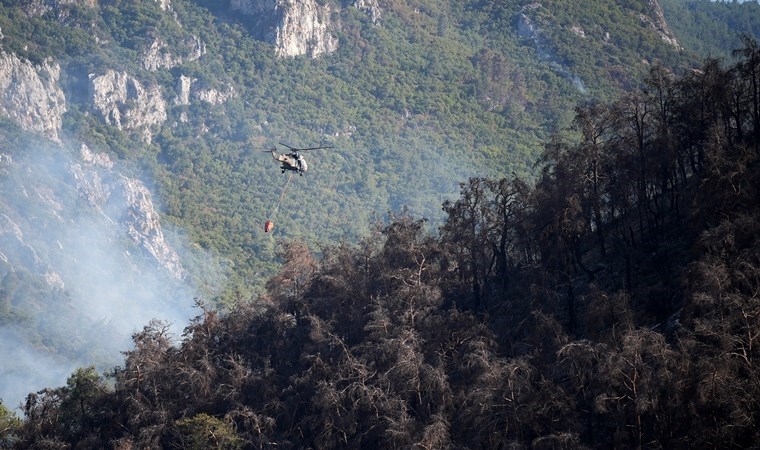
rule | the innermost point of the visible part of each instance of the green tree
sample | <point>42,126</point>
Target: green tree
<point>10,426</point>
<point>203,431</point>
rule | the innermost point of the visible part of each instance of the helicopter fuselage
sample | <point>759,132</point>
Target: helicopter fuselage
<point>291,161</point>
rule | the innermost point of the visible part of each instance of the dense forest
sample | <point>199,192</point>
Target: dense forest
<point>612,302</point>
<point>708,28</point>
<point>450,82</point>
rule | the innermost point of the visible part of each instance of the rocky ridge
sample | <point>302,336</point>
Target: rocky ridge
<point>299,27</point>
<point>121,205</point>
<point>125,201</point>
<point>160,56</point>
<point>304,27</point>
<point>529,26</point>
<point>371,8</point>
<point>38,8</point>
<point>30,95</point>
<point>125,103</point>
<point>656,21</point>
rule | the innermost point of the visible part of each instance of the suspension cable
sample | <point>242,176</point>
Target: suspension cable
<point>282,195</point>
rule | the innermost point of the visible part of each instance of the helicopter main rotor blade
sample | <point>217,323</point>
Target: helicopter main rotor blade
<point>303,149</point>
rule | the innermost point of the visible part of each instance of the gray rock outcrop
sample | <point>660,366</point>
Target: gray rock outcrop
<point>656,21</point>
<point>12,242</point>
<point>123,102</point>
<point>187,90</point>
<point>30,95</point>
<point>300,27</point>
<point>160,56</point>
<point>183,90</point>
<point>215,96</point>
<point>165,4</point>
<point>37,8</point>
<point>126,202</point>
<point>371,8</point>
<point>142,224</point>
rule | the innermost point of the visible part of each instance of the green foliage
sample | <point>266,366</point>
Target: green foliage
<point>404,338</point>
<point>203,432</point>
<point>9,427</point>
<point>711,29</point>
<point>601,43</point>
<point>406,106</point>
<point>607,299</point>
<point>612,303</point>
<point>38,38</point>
<point>407,122</point>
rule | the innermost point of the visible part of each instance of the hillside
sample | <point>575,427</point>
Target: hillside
<point>712,29</point>
<point>133,136</point>
<point>612,304</point>
<point>415,98</point>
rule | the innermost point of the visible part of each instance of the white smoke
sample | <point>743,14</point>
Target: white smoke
<point>74,285</point>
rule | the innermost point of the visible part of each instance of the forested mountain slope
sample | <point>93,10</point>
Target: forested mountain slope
<point>613,303</point>
<point>146,120</point>
<point>711,29</point>
<point>413,96</point>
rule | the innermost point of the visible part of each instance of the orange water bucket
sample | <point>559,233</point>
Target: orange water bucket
<point>268,225</point>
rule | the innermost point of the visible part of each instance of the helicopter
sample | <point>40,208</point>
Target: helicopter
<point>293,160</point>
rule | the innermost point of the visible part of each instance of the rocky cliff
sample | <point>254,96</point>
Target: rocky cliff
<point>83,264</point>
<point>139,219</point>
<point>297,27</point>
<point>59,8</point>
<point>371,8</point>
<point>122,101</point>
<point>123,207</point>
<point>30,95</point>
<point>127,202</point>
<point>305,29</point>
<point>160,56</point>
<point>655,19</point>
<point>164,4</point>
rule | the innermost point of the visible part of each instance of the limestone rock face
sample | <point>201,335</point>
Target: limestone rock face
<point>123,102</point>
<point>183,90</point>
<point>126,202</point>
<point>36,8</point>
<point>141,222</point>
<point>160,56</point>
<point>165,4</point>
<point>30,94</point>
<point>656,20</point>
<point>305,30</point>
<point>299,27</point>
<point>88,180</point>
<point>215,96</point>
<point>12,242</point>
<point>63,238</point>
<point>187,89</point>
<point>371,8</point>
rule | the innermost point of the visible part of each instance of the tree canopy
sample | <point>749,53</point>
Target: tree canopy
<point>612,302</point>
